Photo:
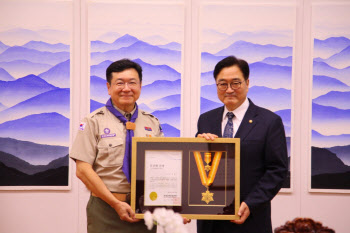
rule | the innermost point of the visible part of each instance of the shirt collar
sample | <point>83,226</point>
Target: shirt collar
<point>239,112</point>
<point>124,113</point>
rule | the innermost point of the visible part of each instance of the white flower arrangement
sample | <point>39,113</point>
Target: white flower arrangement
<point>166,218</point>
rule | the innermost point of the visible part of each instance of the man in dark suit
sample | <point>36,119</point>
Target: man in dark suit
<point>263,148</point>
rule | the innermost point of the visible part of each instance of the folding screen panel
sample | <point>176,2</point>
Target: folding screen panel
<point>330,151</point>
<point>34,94</point>
<point>149,34</point>
<point>263,36</point>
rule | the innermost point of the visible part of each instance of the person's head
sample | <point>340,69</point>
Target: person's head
<point>232,79</point>
<point>124,79</point>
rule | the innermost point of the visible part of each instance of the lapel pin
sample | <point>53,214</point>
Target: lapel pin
<point>250,121</point>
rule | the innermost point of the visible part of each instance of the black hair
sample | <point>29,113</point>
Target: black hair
<point>232,61</point>
<point>121,65</point>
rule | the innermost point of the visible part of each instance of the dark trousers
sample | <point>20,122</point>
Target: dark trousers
<point>102,218</point>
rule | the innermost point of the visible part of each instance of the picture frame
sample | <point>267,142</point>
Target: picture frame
<point>180,180</point>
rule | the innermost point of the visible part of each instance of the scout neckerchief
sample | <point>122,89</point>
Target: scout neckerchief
<point>130,126</point>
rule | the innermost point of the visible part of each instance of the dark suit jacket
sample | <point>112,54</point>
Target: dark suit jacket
<point>263,166</point>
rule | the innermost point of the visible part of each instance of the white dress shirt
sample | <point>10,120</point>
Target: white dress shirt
<point>237,119</point>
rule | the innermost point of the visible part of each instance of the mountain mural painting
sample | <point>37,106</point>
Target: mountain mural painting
<point>330,152</point>
<point>34,112</point>
<point>161,78</point>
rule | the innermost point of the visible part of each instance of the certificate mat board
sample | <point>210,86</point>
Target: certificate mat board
<point>197,178</point>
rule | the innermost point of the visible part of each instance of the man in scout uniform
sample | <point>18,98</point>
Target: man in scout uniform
<point>102,150</point>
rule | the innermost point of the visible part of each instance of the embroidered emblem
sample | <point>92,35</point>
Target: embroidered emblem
<point>107,131</point>
<point>148,128</point>
<point>108,135</point>
<point>82,125</point>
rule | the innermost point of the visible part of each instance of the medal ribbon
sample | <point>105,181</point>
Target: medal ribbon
<point>207,181</point>
<point>130,126</point>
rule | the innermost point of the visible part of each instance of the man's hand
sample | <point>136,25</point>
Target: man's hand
<point>243,212</point>
<point>207,136</point>
<point>125,212</point>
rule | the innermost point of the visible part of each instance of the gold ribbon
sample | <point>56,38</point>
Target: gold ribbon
<point>207,180</point>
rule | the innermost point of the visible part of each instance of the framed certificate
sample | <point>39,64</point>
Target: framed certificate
<point>197,178</point>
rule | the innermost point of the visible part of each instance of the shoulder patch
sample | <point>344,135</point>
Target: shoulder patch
<point>82,126</point>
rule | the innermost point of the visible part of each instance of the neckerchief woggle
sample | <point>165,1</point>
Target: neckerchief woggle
<point>129,134</point>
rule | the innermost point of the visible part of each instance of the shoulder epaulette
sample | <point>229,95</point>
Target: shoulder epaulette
<point>148,114</point>
<point>99,111</point>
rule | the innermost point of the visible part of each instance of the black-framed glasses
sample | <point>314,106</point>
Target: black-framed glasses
<point>234,85</point>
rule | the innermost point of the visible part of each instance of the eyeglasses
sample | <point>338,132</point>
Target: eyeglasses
<point>121,85</point>
<point>233,85</point>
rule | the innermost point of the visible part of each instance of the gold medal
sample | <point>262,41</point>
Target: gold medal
<point>207,180</point>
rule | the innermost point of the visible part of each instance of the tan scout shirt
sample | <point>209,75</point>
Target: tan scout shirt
<point>101,143</point>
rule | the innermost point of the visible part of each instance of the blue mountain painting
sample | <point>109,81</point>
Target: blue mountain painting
<point>144,107</point>
<point>21,68</point>
<point>124,41</point>
<point>324,84</point>
<point>170,131</point>
<point>3,47</point>
<point>34,111</point>
<point>24,88</point>
<point>336,99</point>
<point>207,78</point>
<point>172,45</point>
<point>46,47</point>
<point>278,61</point>
<point>331,114</point>
<point>13,53</point>
<point>98,89</point>
<point>322,68</point>
<point>159,89</point>
<point>95,105</point>
<point>4,75</point>
<point>272,76</point>
<point>272,99</point>
<point>33,153</point>
<point>342,152</point>
<point>170,116</point>
<point>255,52</point>
<point>167,102</point>
<point>339,60</point>
<point>59,75</point>
<point>321,140</point>
<point>99,70</point>
<point>207,105</point>
<point>2,107</point>
<point>57,100</point>
<point>142,50</point>
<point>330,119</point>
<point>44,128</point>
<point>328,47</point>
<point>208,61</point>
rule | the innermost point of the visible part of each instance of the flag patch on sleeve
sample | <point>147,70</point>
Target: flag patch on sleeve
<point>82,125</point>
<point>148,128</point>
